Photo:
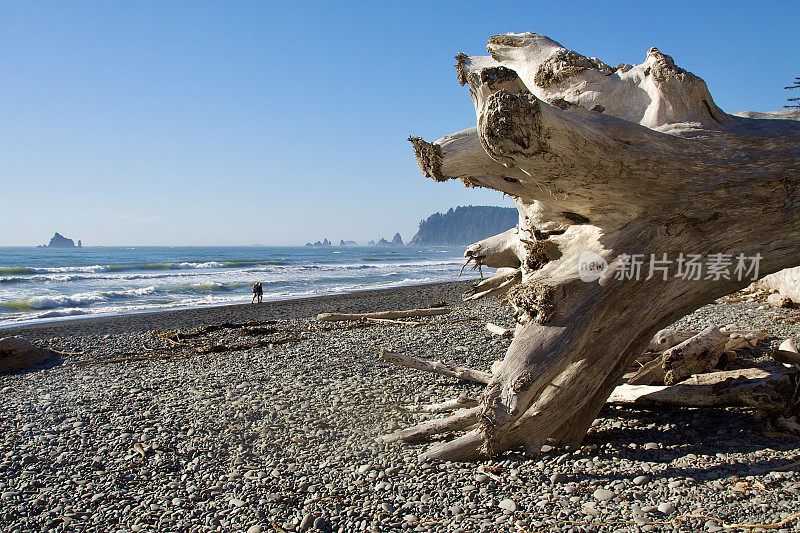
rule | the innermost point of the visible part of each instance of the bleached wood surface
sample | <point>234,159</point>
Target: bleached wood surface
<point>615,161</point>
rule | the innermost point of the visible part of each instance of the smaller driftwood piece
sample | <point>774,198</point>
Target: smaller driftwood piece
<point>384,315</point>
<point>679,369</point>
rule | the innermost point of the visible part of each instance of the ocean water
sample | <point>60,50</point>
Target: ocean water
<point>40,284</point>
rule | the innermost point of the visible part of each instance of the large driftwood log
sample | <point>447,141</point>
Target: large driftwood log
<point>607,165</point>
<point>774,391</point>
<point>383,315</point>
<point>751,387</point>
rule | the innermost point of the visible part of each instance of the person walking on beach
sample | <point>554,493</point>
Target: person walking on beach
<point>258,291</point>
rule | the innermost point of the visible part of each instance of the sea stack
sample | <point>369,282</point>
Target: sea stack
<point>59,241</point>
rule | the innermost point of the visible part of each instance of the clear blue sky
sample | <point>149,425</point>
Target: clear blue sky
<point>133,123</point>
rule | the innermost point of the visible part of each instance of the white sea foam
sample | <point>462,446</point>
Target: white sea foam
<point>70,311</point>
<point>52,302</point>
<point>142,291</point>
<point>81,299</point>
<point>207,264</point>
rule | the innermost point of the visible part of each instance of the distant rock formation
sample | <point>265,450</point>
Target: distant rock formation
<point>396,241</point>
<point>371,243</point>
<point>464,225</point>
<point>59,241</point>
<point>347,243</point>
<point>325,242</point>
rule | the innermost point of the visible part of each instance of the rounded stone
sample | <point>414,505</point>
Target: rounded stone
<point>603,495</point>
<point>508,505</point>
<point>307,521</point>
<point>666,508</point>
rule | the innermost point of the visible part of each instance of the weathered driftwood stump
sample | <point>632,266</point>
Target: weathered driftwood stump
<point>17,353</point>
<point>627,161</point>
<point>786,282</point>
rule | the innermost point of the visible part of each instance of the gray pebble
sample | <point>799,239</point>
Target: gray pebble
<point>508,505</point>
<point>666,508</point>
<point>603,495</point>
<point>307,522</point>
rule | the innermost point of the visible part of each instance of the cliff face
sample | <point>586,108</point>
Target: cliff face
<point>465,225</point>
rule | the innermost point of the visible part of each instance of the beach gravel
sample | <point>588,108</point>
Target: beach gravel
<point>280,437</point>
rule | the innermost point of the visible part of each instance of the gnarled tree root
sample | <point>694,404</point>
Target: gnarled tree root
<point>606,167</point>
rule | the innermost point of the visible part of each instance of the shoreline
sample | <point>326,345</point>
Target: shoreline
<point>193,317</point>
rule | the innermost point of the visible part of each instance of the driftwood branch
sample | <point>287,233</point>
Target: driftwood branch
<point>437,367</point>
<point>391,321</point>
<point>500,331</point>
<point>669,337</point>
<point>450,405</point>
<point>787,353</point>
<point>498,285</point>
<point>695,355</point>
<point>387,315</point>
<point>459,420</point>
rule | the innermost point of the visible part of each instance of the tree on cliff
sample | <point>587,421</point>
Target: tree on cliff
<point>464,225</point>
<point>795,100</point>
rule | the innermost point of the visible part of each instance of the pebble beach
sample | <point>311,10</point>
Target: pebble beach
<point>131,431</point>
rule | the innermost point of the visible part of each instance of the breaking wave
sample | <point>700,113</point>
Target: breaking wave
<point>16,271</point>
<point>126,267</point>
<point>82,299</point>
<point>211,287</point>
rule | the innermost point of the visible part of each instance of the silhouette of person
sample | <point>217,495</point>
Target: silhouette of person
<point>258,292</point>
